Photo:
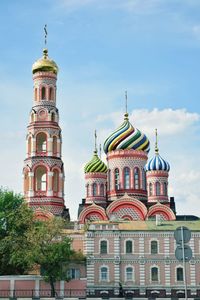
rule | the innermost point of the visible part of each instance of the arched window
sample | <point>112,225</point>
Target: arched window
<point>126,178</point>
<point>41,142</point>
<point>103,247</point>
<point>154,274</point>
<point>117,179</point>
<point>26,182</point>
<point>144,182</point>
<point>55,180</point>
<point>102,190</point>
<point>136,179</point>
<point>87,190</point>
<point>94,189</point>
<point>157,188</point>
<point>55,145</point>
<point>150,189</point>
<point>36,94</point>
<point>41,179</point>
<point>179,274</point>
<point>129,274</point>
<point>53,117</point>
<point>51,94</point>
<point>104,273</point>
<point>165,189</point>
<point>109,180</point>
<point>43,93</point>
<point>129,247</point>
<point>29,145</point>
<point>154,247</point>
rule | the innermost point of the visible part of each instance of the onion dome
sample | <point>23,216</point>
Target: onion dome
<point>127,137</point>
<point>45,64</point>
<point>95,165</point>
<point>157,163</point>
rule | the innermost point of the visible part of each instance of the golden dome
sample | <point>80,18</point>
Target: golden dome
<point>45,64</point>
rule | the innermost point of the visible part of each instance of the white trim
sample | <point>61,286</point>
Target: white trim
<point>175,275</point>
<point>103,239</point>
<point>108,274</point>
<point>125,273</point>
<point>158,248</point>
<point>126,240</point>
<point>151,267</point>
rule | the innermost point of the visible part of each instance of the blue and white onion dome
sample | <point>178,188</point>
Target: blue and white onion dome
<point>157,163</point>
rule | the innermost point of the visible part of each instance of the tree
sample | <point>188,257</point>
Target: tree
<point>52,251</point>
<point>16,222</point>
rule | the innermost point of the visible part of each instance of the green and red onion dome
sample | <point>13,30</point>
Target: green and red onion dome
<point>95,165</point>
<point>127,137</point>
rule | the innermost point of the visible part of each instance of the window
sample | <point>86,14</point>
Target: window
<point>73,273</point>
<point>54,145</point>
<point>165,189</point>
<point>129,247</point>
<point>154,247</point>
<point>26,182</point>
<point>150,189</point>
<point>109,180</point>
<point>179,274</point>
<point>157,188</point>
<point>103,247</point>
<point>41,142</point>
<point>102,189</point>
<point>43,93</point>
<point>51,96</point>
<point>144,182</point>
<point>154,274</point>
<point>55,180</point>
<point>41,179</point>
<point>126,178</point>
<point>117,179</point>
<point>129,274</point>
<point>53,117</point>
<point>136,178</point>
<point>104,274</point>
<point>94,189</point>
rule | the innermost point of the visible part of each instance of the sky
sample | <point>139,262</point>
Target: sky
<point>149,48</point>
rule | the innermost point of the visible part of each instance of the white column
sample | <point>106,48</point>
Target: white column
<point>12,287</point>
<point>37,287</point>
<point>142,273</point>
<point>90,258</point>
<point>62,288</point>
<point>50,146</point>
<point>166,246</point>
<point>50,177</point>
<point>31,190</point>
<point>141,246</point>
<point>33,146</point>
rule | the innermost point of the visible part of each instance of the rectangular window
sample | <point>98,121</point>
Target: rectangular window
<point>73,273</point>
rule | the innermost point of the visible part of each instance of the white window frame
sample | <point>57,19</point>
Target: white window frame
<point>100,273</point>
<point>128,239</point>
<point>153,281</point>
<point>179,281</point>
<point>152,240</point>
<point>133,273</point>
<point>100,246</point>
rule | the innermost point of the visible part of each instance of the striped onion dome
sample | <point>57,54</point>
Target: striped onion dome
<point>95,165</point>
<point>127,137</point>
<point>157,163</point>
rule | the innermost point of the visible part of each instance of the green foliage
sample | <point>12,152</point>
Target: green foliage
<point>52,250</point>
<point>16,220</point>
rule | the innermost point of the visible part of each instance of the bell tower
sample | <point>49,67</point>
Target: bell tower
<point>43,170</point>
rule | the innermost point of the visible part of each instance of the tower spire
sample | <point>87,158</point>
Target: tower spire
<point>156,143</point>
<point>100,151</point>
<point>45,35</point>
<point>95,141</point>
<point>126,110</point>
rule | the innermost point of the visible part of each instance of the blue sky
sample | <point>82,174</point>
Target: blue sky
<point>151,48</point>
